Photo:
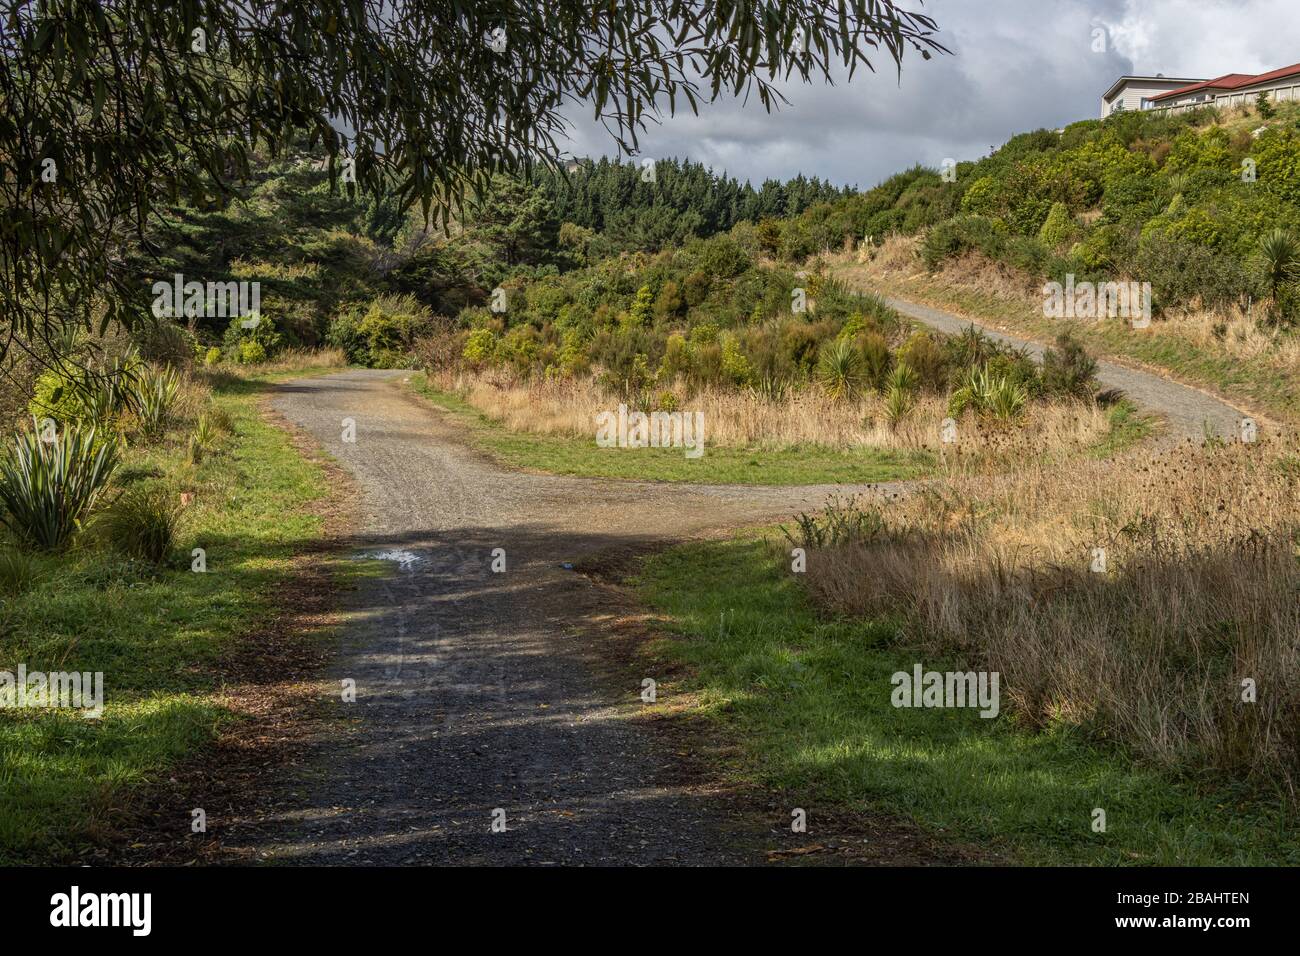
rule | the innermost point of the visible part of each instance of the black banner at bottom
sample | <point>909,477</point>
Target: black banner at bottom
<point>329,905</point>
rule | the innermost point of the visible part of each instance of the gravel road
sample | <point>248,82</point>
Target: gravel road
<point>477,691</point>
<point>1190,413</point>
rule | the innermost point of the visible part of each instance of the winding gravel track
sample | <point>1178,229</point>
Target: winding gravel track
<point>1190,413</point>
<point>478,690</point>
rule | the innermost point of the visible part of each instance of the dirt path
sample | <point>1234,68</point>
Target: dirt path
<point>1189,412</point>
<point>479,690</point>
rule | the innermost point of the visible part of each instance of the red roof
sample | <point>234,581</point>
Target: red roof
<point>1232,81</point>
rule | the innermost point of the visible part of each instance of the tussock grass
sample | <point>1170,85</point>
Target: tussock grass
<point>1201,591</point>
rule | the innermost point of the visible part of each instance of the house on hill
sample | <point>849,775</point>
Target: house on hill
<point>1231,89</point>
<point>1131,92</point>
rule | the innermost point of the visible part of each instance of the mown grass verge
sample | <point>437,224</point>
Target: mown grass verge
<point>806,702</point>
<point>157,634</point>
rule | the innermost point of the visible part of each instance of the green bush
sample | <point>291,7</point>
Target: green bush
<point>143,521</point>
<point>954,237</point>
<point>155,398</point>
<point>735,366</point>
<point>165,343</point>
<point>876,359</point>
<point>249,336</point>
<point>92,396</point>
<point>1181,271</point>
<point>17,571</point>
<point>924,356</point>
<point>722,256</point>
<point>381,333</point>
<point>1068,370</point>
<point>47,489</point>
<point>479,347</point>
<point>1058,227</point>
<point>56,395</point>
<point>251,353</point>
<point>839,370</point>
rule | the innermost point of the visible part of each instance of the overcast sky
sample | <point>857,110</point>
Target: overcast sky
<point>1016,65</point>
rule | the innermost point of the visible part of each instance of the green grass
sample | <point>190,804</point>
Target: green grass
<point>156,634</point>
<point>789,465</point>
<point>1128,427</point>
<point>807,703</point>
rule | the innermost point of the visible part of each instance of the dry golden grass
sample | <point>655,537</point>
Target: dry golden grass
<point>740,418</point>
<point>297,360</point>
<point>1201,591</point>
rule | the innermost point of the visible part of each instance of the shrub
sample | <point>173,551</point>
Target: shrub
<point>722,256</point>
<point>212,357</point>
<point>670,302</point>
<point>639,315</point>
<point>876,360</point>
<point>955,236</point>
<point>245,332</point>
<point>382,333</point>
<point>17,571</point>
<point>926,358</point>
<point>735,366</point>
<point>164,343</point>
<point>1058,227</point>
<point>898,403</point>
<point>344,333</point>
<point>839,370</point>
<point>990,395</point>
<point>48,488</point>
<point>143,521</point>
<point>154,400</point>
<point>388,329</point>
<point>1180,272</point>
<point>695,288</point>
<point>479,347</point>
<point>1068,369</point>
<point>92,396</point>
<point>55,396</point>
<point>797,242</point>
<point>251,353</point>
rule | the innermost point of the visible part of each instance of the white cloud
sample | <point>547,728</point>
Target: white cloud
<point>1017,65</point>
